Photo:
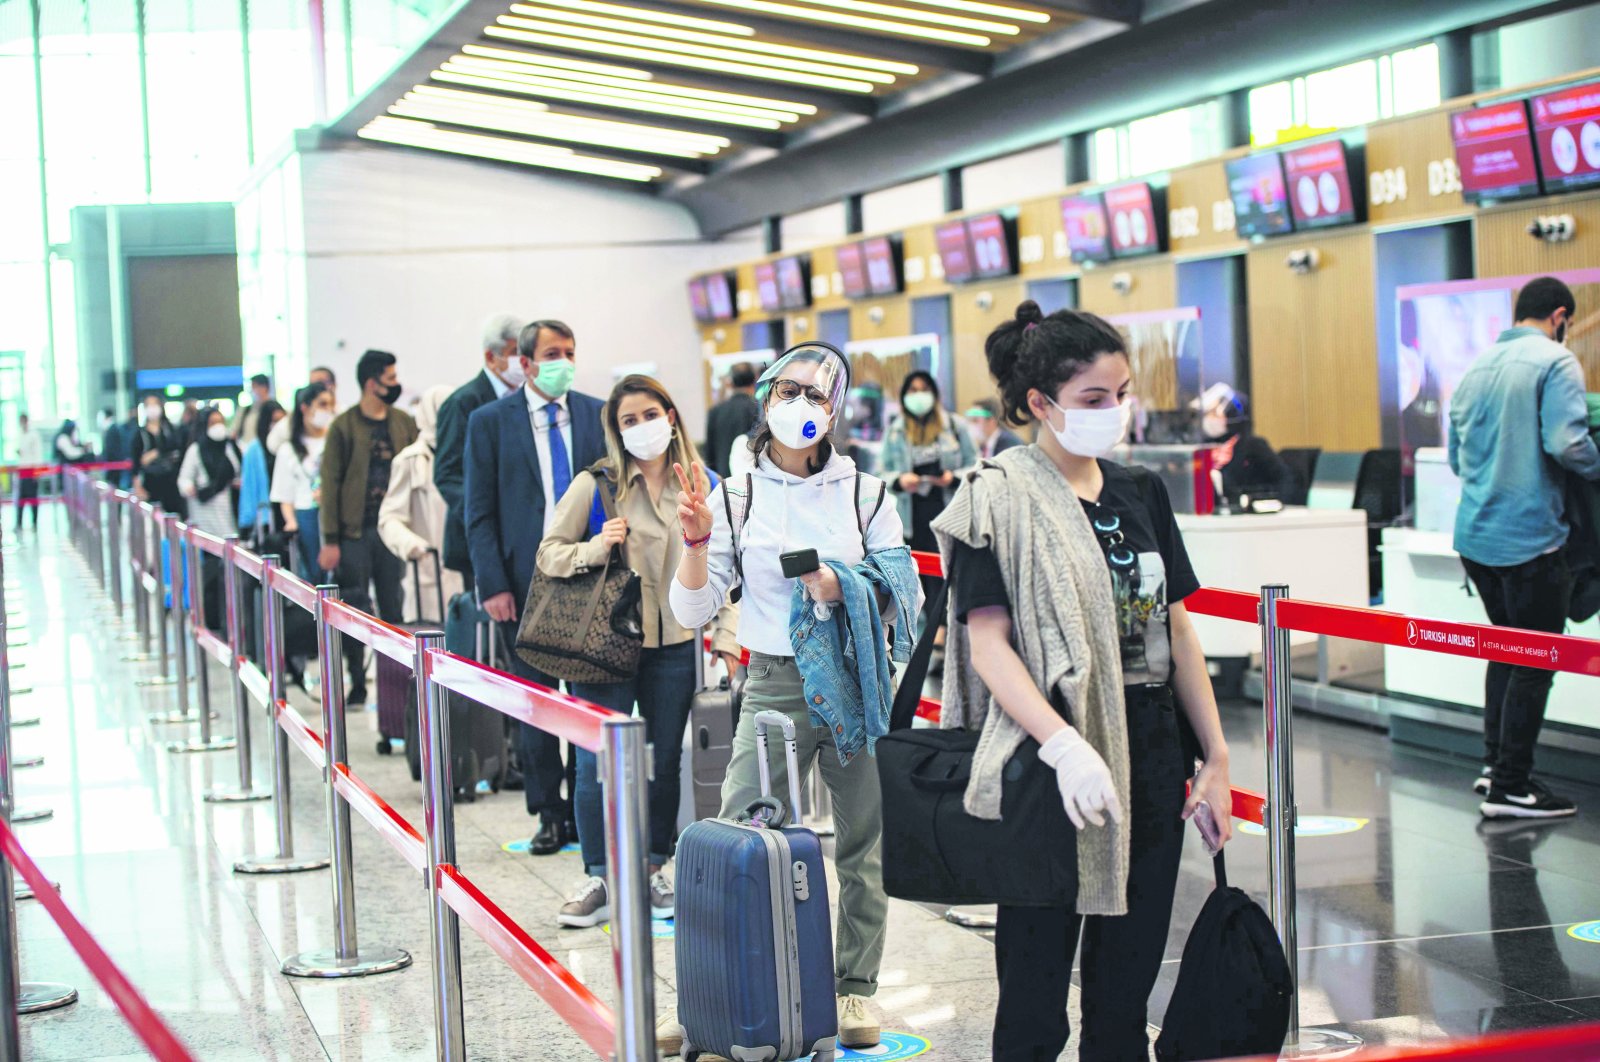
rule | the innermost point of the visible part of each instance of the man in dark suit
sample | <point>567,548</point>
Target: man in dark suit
<point>522,452</point>
<point>734,416</point>
<point>500,374</point>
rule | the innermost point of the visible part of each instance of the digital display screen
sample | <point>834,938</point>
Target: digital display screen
<point>794,283</point>
<point>1318,179</point>
<point>699,301</point>
<point>1133,220</point>
<point>719,293</point>
<point>991,246</point>
<point>1567,127</point>
<point>767,293</point>
<point>955,251</point>
<point>1260,199</point>
<point>852,271</point>
<point>883,271</point>
<point>1494,150</point>
<point>1084,219</point>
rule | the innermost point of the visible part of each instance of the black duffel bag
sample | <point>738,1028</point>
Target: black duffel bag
<point>933,850</point>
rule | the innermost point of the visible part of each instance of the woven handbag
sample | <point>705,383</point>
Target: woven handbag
<point>585,628</point>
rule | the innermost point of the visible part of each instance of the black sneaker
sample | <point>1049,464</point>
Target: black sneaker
<point>357,697</point>
<point>1480,784</point>
<point>1532,801</point>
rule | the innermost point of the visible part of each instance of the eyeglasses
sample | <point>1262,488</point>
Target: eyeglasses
<point>789,390</point>
<point>1108,525</point>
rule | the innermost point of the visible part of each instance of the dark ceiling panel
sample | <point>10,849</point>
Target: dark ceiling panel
<point>1194,54</point>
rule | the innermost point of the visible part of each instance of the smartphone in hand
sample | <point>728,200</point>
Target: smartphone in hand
<point>1206,822</point>
<point>799,562</point>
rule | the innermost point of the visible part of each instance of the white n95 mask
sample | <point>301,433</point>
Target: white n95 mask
<point>798,423</point>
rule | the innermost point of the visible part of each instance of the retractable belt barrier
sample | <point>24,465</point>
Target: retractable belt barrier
<point>167,561</point>
<point>164,562</point>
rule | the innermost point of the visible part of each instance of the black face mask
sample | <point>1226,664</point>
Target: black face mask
<point>1561,332</point>
<point>391,395</point>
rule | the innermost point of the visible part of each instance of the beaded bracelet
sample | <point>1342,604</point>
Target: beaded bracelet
<point>695,543</point>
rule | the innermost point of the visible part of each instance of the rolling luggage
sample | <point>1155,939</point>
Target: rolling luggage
<point>397,692</point>
<point>479,747</point>
<point>713,716</point>
<point>754,935</point>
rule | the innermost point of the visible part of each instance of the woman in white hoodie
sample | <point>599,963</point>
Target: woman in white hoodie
<point>411,519</point>
<point>802,494</point>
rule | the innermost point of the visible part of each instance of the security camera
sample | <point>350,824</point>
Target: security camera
<point>1122,283</point>
<point>875,315</point>
<point>1303,260</point>
<point>1555,228</point>
<point>802,325</point>
<point>985,301</point>
<point>720,334</point>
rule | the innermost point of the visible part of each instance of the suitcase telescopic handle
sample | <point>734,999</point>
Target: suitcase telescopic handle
<point>763,720</point>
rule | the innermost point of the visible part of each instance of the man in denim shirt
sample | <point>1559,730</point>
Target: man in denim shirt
<point>1517,421</point>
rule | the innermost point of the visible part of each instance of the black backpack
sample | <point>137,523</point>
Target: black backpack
<point>1234,990</point>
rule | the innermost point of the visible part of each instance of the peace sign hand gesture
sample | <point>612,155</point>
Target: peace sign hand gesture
<point>693,513</point>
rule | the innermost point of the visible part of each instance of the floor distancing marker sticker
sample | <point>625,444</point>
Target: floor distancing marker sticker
<point>521,847</point>
<point>1312,826</point>
<point>1588,932</point>
<point>893,1046</point>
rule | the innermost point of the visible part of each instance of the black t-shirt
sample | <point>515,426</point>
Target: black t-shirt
<point>377,470</point>
<point>1163,573</point>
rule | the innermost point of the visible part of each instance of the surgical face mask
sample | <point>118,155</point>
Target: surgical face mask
<point>1213,426</point>
<point>648,439</point>
<point>554,378</point>
<point>217,433</point>
<point>1090,432</point>
<point>321,418</point>
<point>798,424</point>
<point>152,413</point>
<point>918,403</point>
<point>512,374</point>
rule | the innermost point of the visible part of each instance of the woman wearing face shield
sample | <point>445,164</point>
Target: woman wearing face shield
<point>804,494</point>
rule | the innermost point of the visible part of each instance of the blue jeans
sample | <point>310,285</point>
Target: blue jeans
<point>664,689</point>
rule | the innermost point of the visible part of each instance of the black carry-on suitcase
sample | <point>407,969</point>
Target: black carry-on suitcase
<point>479,748</point>
<point>713,717</point>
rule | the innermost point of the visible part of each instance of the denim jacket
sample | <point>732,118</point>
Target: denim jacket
<point>848,690</point>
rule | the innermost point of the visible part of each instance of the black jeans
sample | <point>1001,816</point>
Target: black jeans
<point>366,570</point>
<point>540,753</point>
<point>27,500</point>
<point>1533,596</point>
<point>1122,955</point>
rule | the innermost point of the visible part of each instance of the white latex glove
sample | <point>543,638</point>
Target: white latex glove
<point>1083,778</point>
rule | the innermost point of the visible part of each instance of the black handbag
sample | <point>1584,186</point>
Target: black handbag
<point>1234,990</point>
<point>933,850</point>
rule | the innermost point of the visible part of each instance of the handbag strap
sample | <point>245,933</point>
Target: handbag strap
<point>1220,869</point>
<point>909,695</point>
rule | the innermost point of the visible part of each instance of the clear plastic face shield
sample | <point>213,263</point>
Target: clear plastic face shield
<point>814,374</point>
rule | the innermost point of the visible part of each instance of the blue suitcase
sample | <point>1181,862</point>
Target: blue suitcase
<point>754,938</point>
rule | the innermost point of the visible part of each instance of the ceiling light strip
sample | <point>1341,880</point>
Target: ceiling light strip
<point>626,91</point>
<point>766,47</point>
<point>673,59</point>
<point>734,53</point>
<point>455,99</point>
<point>940,18</point>
<point>556,69</point>
<point>417,134</point>
<point>611,98</point>
<point>640,14</point>
<point>1014,14</point>
<point>833,18</point>
<point>549,130</point>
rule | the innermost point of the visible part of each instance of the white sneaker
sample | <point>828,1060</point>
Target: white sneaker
<point>859,1024</point>
<point>589,906</point>
<point>661,897</point>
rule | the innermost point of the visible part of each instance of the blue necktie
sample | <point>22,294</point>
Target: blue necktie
<point>560,462</point>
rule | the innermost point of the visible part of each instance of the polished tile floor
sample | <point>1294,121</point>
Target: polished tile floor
<point>1417,924</point>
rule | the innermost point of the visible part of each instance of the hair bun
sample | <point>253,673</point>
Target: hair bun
<point>1028,312</point>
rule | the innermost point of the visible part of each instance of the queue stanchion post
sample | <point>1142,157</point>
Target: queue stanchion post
<point>285,862</point>
<point>195,599</point>
<point>1280,816</point>
<point>114,550</point>
<point>29,997</point>
<point>438,812</point>
<point>346,958</point>
<point>233,604</point>
<point>138,563</point>
<point>624,767</point>
<point>161,608</point>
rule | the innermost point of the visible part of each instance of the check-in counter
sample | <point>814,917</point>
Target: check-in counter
<point>1321,554</point>
<point>1423,576</point>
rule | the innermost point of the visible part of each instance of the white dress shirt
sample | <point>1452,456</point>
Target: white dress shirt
<point>541,443</point>
<point>501,388</point>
